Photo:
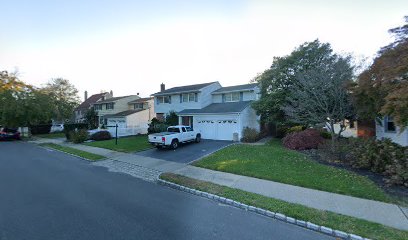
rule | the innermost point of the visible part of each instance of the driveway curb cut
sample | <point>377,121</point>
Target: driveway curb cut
<point>266,213</point>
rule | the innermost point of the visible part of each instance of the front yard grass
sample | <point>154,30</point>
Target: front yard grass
<point>80,153</point>
<point>329,219</point>
<point>51,135</point>
<point>276,163</point>
<point>125,144</point>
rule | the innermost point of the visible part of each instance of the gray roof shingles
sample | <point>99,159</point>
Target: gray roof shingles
<point>181,89</point>
<point>122,114</point>
<point>236,88</point>
<point>217,108</point>
<point>109,100</point>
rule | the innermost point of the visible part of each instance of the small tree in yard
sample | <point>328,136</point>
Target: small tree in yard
<point>91,118</point>
<point>320,94</point>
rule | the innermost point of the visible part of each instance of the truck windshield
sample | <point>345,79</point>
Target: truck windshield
<point>173,129</point>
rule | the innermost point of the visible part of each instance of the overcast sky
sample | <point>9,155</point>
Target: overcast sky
<point>131,46</point>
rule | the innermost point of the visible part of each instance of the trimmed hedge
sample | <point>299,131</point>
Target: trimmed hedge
<point>101,135</point>
<point>304,140</point>
<point>40,129</point>
<point>71,127</point>
<point>250,135</point>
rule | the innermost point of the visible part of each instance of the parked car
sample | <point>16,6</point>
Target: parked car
<point>57,128</point>
<point>9,134</point>
<point>174,136</point>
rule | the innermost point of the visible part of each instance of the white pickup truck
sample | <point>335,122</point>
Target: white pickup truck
<point>174,136</point>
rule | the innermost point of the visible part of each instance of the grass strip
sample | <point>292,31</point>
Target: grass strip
<point>325,218</point>
<point>80,153</point>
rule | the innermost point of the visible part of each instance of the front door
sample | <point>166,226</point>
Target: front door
<point>187,121</point>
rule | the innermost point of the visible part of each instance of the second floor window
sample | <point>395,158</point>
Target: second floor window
<point>109,106</point>
<point>138,106</point>
<point>232,97</point>
<point>163,99</point>
<point>97,107</point>
<point>189,97</point>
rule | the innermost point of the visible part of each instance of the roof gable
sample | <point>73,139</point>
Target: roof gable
<point>236,88</point>
<point>89,101</point>
<point>183,89</point>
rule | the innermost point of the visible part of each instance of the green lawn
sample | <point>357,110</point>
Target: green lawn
<point>80,153</point>
<point>125,144</point>
<point>276,163</point>
<point>329,219</point>
<point>51,135</point>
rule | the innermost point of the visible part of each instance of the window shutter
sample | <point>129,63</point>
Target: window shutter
<point>241,96</point>
<point>169,99</point>
<point>223,97</point>
<point>181,98</point>
<point>157,101</point>
<point>196,97</point>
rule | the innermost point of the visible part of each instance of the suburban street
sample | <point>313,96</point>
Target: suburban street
<point>50,195</point>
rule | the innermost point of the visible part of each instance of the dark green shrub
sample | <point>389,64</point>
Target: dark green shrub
<point>293,129</point>
<point>325,134</point>
<point>40,129</point>
<point>250,135</point>
<point>79,136</point>
<point>70,127</point>
<point>157,126</point>
<point>172,119</point>
<point>101,135</point>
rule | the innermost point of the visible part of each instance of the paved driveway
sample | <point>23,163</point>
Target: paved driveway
<point>187,152</point>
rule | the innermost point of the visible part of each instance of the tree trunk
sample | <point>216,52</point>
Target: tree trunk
<point>333,136</point>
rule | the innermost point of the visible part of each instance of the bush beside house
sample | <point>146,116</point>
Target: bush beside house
<point>100,136</point>
<point>304,140</point>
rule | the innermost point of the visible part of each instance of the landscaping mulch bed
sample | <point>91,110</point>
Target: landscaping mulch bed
<point>397,191</point>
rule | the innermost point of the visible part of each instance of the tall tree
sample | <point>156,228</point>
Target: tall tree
<point>383,88</point>
<point>22,104</point>
<point>320,94</point>
<point>277,81</point>
<point>65,97</point>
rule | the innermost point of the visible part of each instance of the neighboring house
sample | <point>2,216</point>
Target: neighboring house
<point>81,110</point>
<point>220,113</point>
<point>131,112</point>
<point>386,128</point>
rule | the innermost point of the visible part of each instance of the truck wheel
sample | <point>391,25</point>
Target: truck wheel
<point>174,144</point>
<point>198,138</point>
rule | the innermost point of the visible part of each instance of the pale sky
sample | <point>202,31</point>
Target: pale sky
<point>131,46</point>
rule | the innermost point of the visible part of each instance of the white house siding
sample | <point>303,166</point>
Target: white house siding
<point>204,99</point>
<point>248,118</point>
<point>246,96</point>
<point>397,136</point>
<point>119,106</point>
<point>139,120</point>
<point>217,127</point>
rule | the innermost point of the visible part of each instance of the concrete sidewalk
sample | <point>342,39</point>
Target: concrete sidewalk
<point>374,211</point>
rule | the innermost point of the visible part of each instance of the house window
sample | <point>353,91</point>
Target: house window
<point>98,107</point>
<point>189,97</point>
<point>232,97</point>
<point>109,106</point>
<point>138,106</point>
<point>163,99</point>
<point>389,124</point>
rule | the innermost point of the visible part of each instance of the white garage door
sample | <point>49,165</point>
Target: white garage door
<point>121,123</point>
<point>220,129</point>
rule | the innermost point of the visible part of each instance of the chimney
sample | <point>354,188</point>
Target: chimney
<point>162,87</point>
<point>85,95</point>
<point>111,93</point>
<point>137,94</point>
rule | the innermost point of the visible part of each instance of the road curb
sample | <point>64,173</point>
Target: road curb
<point>57,150</point>
<point>278,216</point>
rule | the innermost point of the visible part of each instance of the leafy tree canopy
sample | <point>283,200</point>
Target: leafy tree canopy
<point>383,88</point>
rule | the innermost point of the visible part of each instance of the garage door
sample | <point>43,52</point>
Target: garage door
<point>121,123</point>
<point>221,129</point>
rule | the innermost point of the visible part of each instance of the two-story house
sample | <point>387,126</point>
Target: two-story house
<point>126,111</point>
<point>87,104</point>
<point>220,113</point>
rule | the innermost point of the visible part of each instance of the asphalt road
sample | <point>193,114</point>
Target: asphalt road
<point>49,195</point>
<point>187,152</point>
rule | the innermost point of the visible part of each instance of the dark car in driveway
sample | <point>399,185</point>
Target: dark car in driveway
<point>9,134</point>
